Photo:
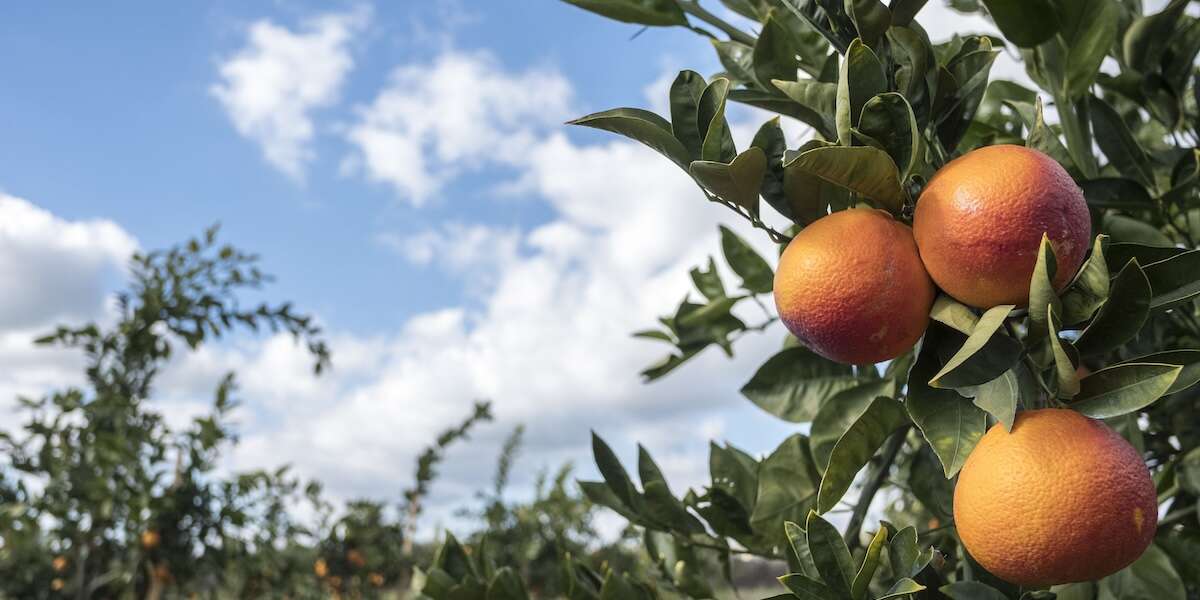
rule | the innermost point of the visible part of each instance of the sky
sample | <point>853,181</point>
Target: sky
<point>404,171</point>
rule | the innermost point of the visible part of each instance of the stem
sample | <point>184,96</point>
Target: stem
<point>878,477</point>
<point>685,539</point>
<point>1177,516</point>
<point>692,7</point>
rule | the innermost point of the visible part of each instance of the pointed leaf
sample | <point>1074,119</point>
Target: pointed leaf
<point>757,276</point>
<point>870,563</point>
<point>794,383</point>
<point>1090,288</point>
<point>1121,316</point>
<point>1025,23</point>
<point>950,423</point>
<point>864,170</point>
<point>642,126</point>
<point>685,98</point>
<point>1124,388</point>
<point>856,447</point>
<point>987,353</point>
<point>737,182</point>
<point>830,555</point>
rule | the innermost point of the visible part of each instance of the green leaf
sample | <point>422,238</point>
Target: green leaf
<point>817,96</point>
<point>642,12</point>
<point>774,54</point>
<point>506,585</point>
<point>916,67</point>
<point>794,383</point>
<point>985,355</point>
<point>614,474</point>
<point>708,282</point>
<point>840,413</point>
<point>710,119</point>
<point>1025,23</point>
<point>1041,295</point>
<point>684,98</point>
<point>1075,591</point>
<point>735,472</point>
<point>972,590</point>
<point>660,505</point>
<point>1116,192</point>
<point>599,493</point>
<point>737,58</point>
<point>1127,229</point>
<point>757,276</point>
<point>1124,388</point>
<point>1147,37</point>
<point>889,119</point>
<point>810,197</point>
<point>856,447</point>
<point>1066,359</point>
<point>1121,317</point>
<point>786,106</point>
<point>642,126</point>
<point>787,489</point>
<point>1189,360</point>
<point>1001,396</point>
<point>830,555</point>
<point>950,312</point>
<point>1118,254</point>
<point>870,17</point>
<point>805,587</point>
<point>950,423</point>
<point>1150,577</point>
<point>769,138</point>
<point>1089,28</point>
<point>862,581</point>
<point>798,541</point>
<point>1090,288</point>
<point>902,587</point>
<point>864,170</point>
<point>861,79</point>
<point>903,552</point>
<point>737,182</point>
<point>1119,145</point>
<point>1175,280</point>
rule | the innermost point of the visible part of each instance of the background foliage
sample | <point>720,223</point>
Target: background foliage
<point>99,498</point>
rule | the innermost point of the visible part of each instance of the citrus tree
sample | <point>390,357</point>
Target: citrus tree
<point>990,297</point>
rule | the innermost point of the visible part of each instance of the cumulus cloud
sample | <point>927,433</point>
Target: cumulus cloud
<point>271,86</point>
<point>54,271</point>
<point>435,121</point>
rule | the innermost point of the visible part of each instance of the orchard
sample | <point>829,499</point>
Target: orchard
<point>990,348</point>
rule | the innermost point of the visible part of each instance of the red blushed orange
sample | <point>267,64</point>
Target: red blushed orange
<point>852,288</point>
<point>979,224</point>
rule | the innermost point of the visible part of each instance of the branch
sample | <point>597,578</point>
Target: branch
<point>874,482</point>
<point>692,7</point>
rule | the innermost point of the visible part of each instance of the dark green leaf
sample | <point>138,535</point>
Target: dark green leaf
<point>642,126</point>
<point>1066,359</point>
<point>949,422</point>
<point>1127,229</point>
<point>757,276</point>
<point>1121,317</point>
<point>710,119</point>
<point>1174,280</point>
<point>1188,359</point>
<point>807,588</point>
<point>985,355</point>
<point>1150,577</point>
<point>737,182</point>
<point>1089,28</point>
<point>830,555</point>
<point>1147,37</point>
<point>972,590</point>
<point>902,587</point>
<point>856,447</point>
<point>889,119</point>
<point>1119,145</point>
<point>794,383</point>
<point>864,170</point>
<point>774,54</point>
<point>1116,192</point>
<point>1123,388</point>
<point>840,413</point>
<point>1119,254</point>
<point>1090,288</point>
<point>737,58</point>
<point>862,580</point>
<point>770,139</point>
<point>1001,396</point>
<point>787,489</point>
<point>871,18</point>
<point>1042,295</point>
<point>1025,23</point>
<point>614,474</point>
<point>685,97</point>
<point>641,12</point>
<point>708,282</point>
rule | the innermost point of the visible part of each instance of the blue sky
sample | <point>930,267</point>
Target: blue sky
<point>118,122</point>
<point>403,169</point>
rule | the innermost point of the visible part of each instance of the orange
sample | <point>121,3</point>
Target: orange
<point>1060,499</point>
<point>852,288</point>
<point>979,224</point>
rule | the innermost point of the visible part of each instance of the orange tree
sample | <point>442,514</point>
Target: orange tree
<point>1063,323</point>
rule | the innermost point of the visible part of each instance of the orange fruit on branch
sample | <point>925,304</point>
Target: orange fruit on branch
<point>852,288</point>
<point>979,224</point>
<point>1062,498</point>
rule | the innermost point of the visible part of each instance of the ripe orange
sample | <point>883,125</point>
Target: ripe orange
<point>980,220</point>
<point>1060,499</point>
<point>852,288</point>
<point>150,539</point>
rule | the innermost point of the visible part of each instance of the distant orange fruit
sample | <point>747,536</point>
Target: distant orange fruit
<point>57,584</point>
<point>356,559</point>
<point>59,564</point>
<point>980,220</point>
<point>150,539</point>
<point>852,288</point>
<point>320,568</point>
<point>1060,499</point>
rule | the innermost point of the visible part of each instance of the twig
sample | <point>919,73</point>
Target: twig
<point>878,477</point>
<point>692,7</point>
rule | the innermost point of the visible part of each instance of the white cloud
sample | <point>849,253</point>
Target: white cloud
<point>55,271</point>
<point>548,335</point>
<point>270,87</point>
<point>435,121</point>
